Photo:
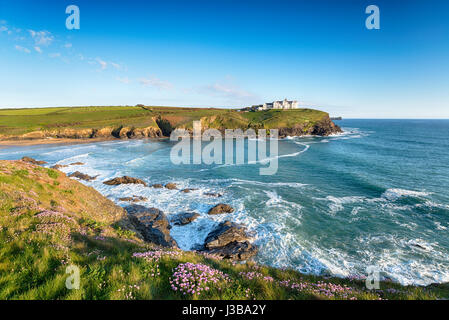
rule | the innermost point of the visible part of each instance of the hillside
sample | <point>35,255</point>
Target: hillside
<point>142,122</point>
<point>49,221</point>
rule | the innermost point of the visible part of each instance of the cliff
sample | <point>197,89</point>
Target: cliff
<point>153,122</point>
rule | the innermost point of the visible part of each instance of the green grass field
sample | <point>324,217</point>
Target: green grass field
<point>16,122</point>
<point>45,226</point>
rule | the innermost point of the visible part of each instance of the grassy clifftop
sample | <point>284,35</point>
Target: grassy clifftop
<point>136,122</point>
<point>48,222</point>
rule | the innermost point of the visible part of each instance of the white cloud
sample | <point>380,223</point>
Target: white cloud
<point>68,45</point>
<point>43,38</point>
<point>228,91</point>
<point>123,80</point>
<point>22,49</point>
<point>3,28</point>
<point>157,83</point>
<point>115,65</point>
<point>38,49</point>
<point>54,55</point>
<point>102,63</point>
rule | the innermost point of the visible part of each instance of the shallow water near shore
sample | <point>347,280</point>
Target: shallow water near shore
<point>375,195</point>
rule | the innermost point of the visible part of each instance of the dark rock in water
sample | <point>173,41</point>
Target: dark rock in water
<point>229,241</point>
<point>235,251</point>
<point>171,186</point>
<point>59,166</point>
<point>225,233</point>
<point>416,245</point>
<point>157,186</point>
<point>152,224</point>
<point>33,161</point>
<point>133,199</point>
<point>221,208</point>
<point>76,164</point>
<point>184,218</point>
<point>124,180</point>
<point>188,190</point>
<point>211,194</point>
<point>82,176</point>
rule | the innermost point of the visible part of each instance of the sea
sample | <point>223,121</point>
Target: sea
<point>375,195</point>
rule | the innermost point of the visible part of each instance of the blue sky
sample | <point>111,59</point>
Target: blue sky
<point>229,53</point>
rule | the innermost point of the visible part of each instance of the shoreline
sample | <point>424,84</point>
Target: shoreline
<point>61,141</point>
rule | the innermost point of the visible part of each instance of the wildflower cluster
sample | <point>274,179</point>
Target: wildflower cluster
<point>326,289</point>
<point>153,258</point>
<point>129,291</point>
<point>190,278</point>
<point>255,275</point>
<point>156,255</point>
<point>53,216</point>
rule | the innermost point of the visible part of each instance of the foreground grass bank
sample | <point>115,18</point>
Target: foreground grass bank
<point>48,222</point>
<point>143,121</point>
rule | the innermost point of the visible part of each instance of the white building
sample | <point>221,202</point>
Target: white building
<point>285,104</point>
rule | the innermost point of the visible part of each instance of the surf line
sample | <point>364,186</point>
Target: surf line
<point>263,161</point>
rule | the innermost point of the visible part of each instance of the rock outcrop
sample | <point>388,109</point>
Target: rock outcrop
<point>59,166</point>
<point>82,176</point>
<point>77,164</point>
<point>124,180</point>
<point>134,198</point>
<point>152,224</point>
<point>32,161</point>
<point>171,186</point>
<point>324,127</point>
<point>225,233</point>
<point>221,208</point>
<point>235,251</point>
<point>184,218</point>
<point>212,194</point>
<point>157,186</point>
<point>229,241</point>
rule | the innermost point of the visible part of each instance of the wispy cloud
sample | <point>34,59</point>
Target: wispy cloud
<point>3,29</point>
<point>43,38</point>
<point>55,55</point>
<point>68,45</point>
<point>38,49</point>
<point>103,64</point>
<point>22,49</point>
<point>123,80</point>
<point>115,65</point>
<point>226,90</point>
<point>156,83</point>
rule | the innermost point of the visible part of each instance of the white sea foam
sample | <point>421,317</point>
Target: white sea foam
<point>394,194</point>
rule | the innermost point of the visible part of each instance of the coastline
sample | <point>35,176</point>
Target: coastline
<point>61,141</point>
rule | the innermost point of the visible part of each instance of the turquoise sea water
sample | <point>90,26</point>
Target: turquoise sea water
<point>375,195</point>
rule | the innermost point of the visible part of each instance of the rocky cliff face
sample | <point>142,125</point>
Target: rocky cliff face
<point>324,127</point>
<point>107,132</point>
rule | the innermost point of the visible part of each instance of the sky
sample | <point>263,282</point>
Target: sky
<point>226,53</point>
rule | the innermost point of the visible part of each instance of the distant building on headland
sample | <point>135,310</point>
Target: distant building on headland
<point>282,104</point>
